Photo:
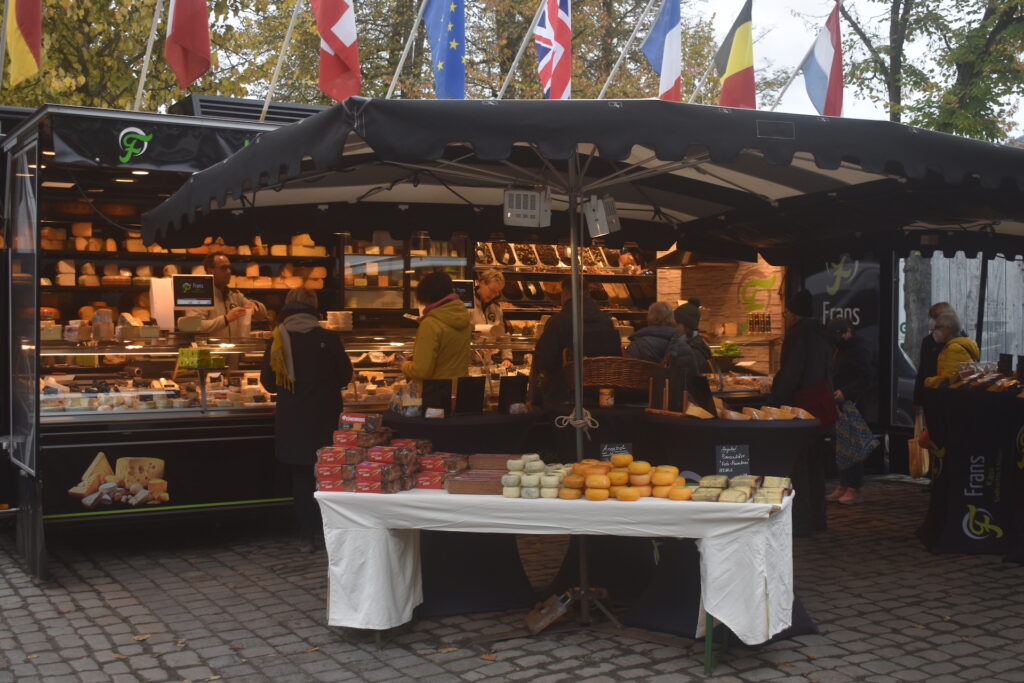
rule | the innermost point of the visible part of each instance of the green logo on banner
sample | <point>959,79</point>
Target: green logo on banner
<point>133,142</point>
<point>978,524</point>
<point>841,271</point>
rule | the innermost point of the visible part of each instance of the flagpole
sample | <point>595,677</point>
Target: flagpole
<point>522,49</point>
<point>408,47</point>
<point>793,75</point>
<point>703,80</point>
<point>626,47</point>
<point>280,60</point>
<point>157,11</point>
<point>3,42</point>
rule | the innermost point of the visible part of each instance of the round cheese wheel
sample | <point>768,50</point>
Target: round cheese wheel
<point>597,494</point>
<point>549,492</point>
<point>598,481</point>
<point>645,491</point>
<point>622,459</point>
<point>613,490</point>
<point>534,466</point>
<point>640,479</point>
<point>550,481</point>
<point>511,491</point>
<point>530,492</point>
<point>659,478</point>
<point>639,467</point>
<point>680,481</point>
<point>628,493</point>
<point>530,457</point>
<point>660,491</point>
<point>680,493</point>
<point>668,468</point>
<point>573,481</point>
<point>570,494</point>
<point>596,469</point>
<point>511,479</point>
<point>515,465</point>
<point>618,477</point>
<point>532,480</point>
<point>48,313</point>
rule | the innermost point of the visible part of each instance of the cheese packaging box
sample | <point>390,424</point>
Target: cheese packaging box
<point>451,463</point>
<point>430,480</point>
<point>378,486</point>
<point>337,485</point>
<point>376,471</point>
<point>329,472</point>
<point>360,422</point>
<point>361,439</point>
<point>340,455</point>
<point>392,455</point>
<point>421,446</point>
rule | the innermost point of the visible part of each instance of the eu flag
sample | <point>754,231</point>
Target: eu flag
<point>445,21</point>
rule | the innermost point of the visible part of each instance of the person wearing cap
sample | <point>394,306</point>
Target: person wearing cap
<point>687,319</point>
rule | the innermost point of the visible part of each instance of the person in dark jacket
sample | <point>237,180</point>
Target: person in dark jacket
<point>804,380</point>
<point>600,338</point>
<point>852,377</point>
<point>307,367</point>
<point>660,339</point>
<point>928,363</point>
<point>687,319</point>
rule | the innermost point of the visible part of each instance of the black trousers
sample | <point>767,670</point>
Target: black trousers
<point>307,510</point>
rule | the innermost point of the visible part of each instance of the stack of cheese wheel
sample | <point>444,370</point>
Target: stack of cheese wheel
<point>529,477</point>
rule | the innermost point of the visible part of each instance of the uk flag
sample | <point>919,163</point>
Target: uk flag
<point>553,37</point>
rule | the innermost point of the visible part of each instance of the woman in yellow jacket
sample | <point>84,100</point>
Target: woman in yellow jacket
<point>442,340</point>
<point>956,348</point>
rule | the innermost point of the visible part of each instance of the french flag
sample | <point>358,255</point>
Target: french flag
<point>662,47</point>
<point>823,69</point>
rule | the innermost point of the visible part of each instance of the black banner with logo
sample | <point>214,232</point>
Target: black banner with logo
<point>850,289</point>
<point>143,144</point>
<point>1015,467</point>
<point>971,509</point>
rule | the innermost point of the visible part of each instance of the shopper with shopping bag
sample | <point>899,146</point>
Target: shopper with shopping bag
<point>853,378</point>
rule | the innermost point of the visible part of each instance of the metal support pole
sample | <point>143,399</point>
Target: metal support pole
<point>793,75</point>
<point>280,60</point>
<point>703,79</point>
<point>3,41</point>
<point>157,11</point>
<point>408,47</point>
<point>522,49</point>
<point>577,305</point>
<point>982,291</point>
<point>626,48</point>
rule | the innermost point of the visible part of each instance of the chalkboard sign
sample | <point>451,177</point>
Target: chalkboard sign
<point>732,460</point>
<point>610,449</point>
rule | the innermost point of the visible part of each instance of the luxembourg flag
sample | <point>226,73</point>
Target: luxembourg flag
<point>823,69</point>
<point>662,47</point>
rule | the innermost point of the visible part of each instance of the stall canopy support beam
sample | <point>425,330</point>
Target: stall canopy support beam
<point>982,293</point>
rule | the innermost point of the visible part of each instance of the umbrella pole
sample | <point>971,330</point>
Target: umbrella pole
<point>577,309</point>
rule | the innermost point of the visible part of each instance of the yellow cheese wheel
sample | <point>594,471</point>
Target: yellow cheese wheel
<point>598,481</point>
<point>680,493</point>
<point>660,491</point>
<point>573,481</point>
<point>660,478</point>
<point>613,490</point>
<point>597,469</point>
<point>597,494</point>
<point>640,479</point>
<point>680,481</point>
<point>639,467</point>
<point>581,467</point>
<point>618,477</point>
<point>668,468</point>
<point>645,491</point>
<point>570,494</point>
<point>627,493</point>
<point>622,459</point>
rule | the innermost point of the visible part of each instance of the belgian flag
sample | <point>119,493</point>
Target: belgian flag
<point>24,38</point>
<point>735,64</point>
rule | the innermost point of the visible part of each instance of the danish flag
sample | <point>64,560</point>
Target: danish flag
<point>339,51</point>
<point>553,37</point>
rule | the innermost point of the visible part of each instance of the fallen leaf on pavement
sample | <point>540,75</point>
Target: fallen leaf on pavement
<point>489,657</point>
<point>214,678</point>
<point>31,656</point>
<point>445,650</point>
<point>312,649</point>
<point>118,655</point>
<point>141,637</point>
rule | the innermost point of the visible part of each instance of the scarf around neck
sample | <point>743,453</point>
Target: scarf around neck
<point>281,361</point>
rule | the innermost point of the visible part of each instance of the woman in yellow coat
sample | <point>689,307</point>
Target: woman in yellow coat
<point>442,340</point>
<point>956,348</point>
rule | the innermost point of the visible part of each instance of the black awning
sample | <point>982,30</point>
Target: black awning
<point>725,181</point>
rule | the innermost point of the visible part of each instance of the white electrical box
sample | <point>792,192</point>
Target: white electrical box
<point>602,218</point>
<point>528,208</point>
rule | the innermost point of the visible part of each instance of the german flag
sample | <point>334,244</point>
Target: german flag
<point>735,63</point>
<point>24,38</point>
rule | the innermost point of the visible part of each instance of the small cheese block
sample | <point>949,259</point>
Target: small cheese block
<point>372,268</point>
<point>262,282</point>
<point>279,250</point>
<point>170,270</point>
<point>86,280</point>
<point>87,269</point>
<point>694,410</point>
<point>179,251</point>
<point>317,273</point>
<point>156,249</point>
<point>51,233</point>
<point>65,266</point>
<point>706,495</point>
<point>359,282</point>
<point>95,244</point>
<point>81,244</point>
<point>252,270</point>
<point>242,282</point>
<point>157,485</point>
<point>83,229</point>
<point>302,240</point>
<point>244,250</point>
<point>131,471</point>
<point>304,251</point>
<point>111,269</point>
<point>49,244</point>
<point>776,483</point>
<point>547,492</point>
<point>45,282</point>
<point>258,248</point>
<point>114,279</point>
<point>110,244</point>
<point>511,491</point>
<point>141,314</point>
<point>232,281</point>
<point>773,496</point>
<point>135,246</point>
<point>293,282</point>
<point>86,312</point>
<point>198,270</point>
<point>198,250</point>
<point>313,284</point>
<point>320,251</point>
<point>144,271</point>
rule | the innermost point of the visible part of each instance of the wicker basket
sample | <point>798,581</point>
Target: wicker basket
<point>616,372</point>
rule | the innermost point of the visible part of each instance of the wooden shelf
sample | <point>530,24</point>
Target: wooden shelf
<point>148,257</point>
<point>594,277</point>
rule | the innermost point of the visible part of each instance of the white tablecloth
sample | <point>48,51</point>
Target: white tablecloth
<point>746,558</point>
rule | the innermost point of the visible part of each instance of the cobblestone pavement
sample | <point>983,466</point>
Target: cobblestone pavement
<point>229,602</point>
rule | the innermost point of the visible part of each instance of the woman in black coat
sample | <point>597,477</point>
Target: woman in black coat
<point>852,377</point>
<point>307,367</point>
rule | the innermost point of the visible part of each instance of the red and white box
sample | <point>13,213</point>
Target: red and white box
<point>430,480</point>
<point>360,422</point>
<point>340,455</point>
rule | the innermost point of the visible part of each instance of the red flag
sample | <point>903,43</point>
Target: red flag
<point>187,49</point>
<point>24,38</point>
<point>339,50</point>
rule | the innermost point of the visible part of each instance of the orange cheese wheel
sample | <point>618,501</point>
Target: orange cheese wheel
<point>680,493</point>
<point>668,468</point>
<point>613,490</point>
<point>680,481</point>
<point>660,491</point>
<point>627,493</point>
<point>592,461</point>
<point>618,477</point>
<point>597,494</point>
<point>570,494</point>
<point>622,459</point>
<point>580,467</point>
<point>598,481</point>
<point>597,469</point>
<point>645,491</point>
<point>639,467</point>
<point>573,481</point>
<point>659,478</point>
<point>640,479</point>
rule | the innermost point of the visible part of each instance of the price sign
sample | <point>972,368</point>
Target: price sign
<point>732,459</point>
<point>610,449</point>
